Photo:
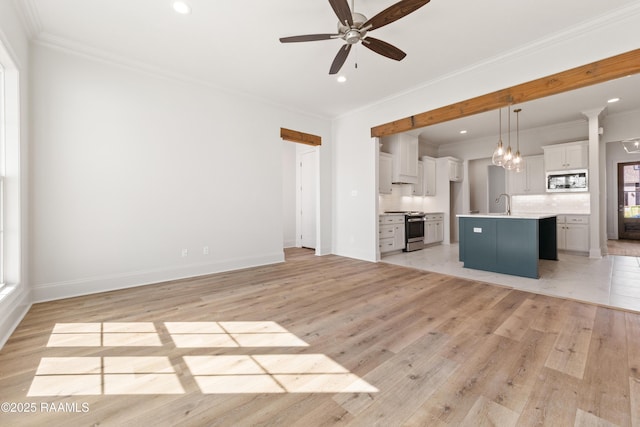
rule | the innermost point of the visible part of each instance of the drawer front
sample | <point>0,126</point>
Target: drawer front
<point>435,217</point>
<point>391,219</point>
<point>577,219</point>
<point>386,231</point>
<point>386,245</point>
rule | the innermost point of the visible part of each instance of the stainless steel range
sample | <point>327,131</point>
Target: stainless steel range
<point>413,230</point>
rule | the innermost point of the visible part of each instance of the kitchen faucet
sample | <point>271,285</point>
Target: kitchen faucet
<point>508,199</point>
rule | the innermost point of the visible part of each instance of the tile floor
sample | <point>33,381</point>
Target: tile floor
<point>612,280</point>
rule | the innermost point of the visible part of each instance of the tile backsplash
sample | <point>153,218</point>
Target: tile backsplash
<point>400,199</point>
<point>559,203</point>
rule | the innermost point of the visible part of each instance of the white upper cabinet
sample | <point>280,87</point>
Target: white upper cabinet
<point>572,155</point>
<point>455,170</point>
<point>418,187</point>
<point>385,166</point>
<point>429,176</point>
<point>404,149</point>
<point>530,180</point>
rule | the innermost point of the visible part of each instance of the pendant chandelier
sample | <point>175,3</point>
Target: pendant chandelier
<point>498,155</point>
<point>505,157</point>
<point>518,161</point>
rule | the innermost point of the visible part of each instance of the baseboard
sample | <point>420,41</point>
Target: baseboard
<point>92,285</point>
<point>595,253</point>
<point>13,307</point>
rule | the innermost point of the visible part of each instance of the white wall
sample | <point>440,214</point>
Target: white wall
<point>130,168</point>
<point>355,192</point>
<point>15,298</point>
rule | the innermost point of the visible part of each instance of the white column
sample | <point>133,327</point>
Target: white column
<point>597,186</point>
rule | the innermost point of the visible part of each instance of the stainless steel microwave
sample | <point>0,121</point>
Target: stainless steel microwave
<point>569,180</point>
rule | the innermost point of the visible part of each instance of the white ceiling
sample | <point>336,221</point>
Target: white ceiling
<point>562,108</point>
<point>234,45</point>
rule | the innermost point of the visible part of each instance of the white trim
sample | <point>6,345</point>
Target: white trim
<point>92,285</point>
<point>15,302</point>
<point>88,52</point>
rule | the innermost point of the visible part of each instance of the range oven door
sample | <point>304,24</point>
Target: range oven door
<point>414,232</point>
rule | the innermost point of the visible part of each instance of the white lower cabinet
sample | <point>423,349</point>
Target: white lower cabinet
<point>391,233</point>
<point>573,232</point>
<point>434,228</point>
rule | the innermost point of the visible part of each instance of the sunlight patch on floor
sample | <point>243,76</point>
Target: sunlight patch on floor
<point>274,373</point>
<point>231,334</point>
<point>116,334</point>
<point>213,374</point>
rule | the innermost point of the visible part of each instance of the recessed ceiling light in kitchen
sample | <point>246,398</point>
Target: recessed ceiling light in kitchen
<point>341,79</point>
<point>181,7</point>
<point>612,100</point>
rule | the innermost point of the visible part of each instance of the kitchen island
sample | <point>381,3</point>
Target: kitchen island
<point>509,244</point>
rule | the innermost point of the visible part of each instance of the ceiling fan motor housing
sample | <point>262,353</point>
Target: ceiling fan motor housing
<point>353,34</point>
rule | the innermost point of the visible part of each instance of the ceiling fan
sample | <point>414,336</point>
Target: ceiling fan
<point>353,28</point>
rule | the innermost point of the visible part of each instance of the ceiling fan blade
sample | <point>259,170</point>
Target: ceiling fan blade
<point>341,8</point>
<point>383,48</point>
<point>308,38</point>
<point>393,13</point>
<point>340,58</point>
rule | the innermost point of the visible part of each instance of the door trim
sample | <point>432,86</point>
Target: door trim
<point>622,234</point>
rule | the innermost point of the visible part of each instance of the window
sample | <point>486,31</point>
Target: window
<point>2,173</point>
<point>10,224</point>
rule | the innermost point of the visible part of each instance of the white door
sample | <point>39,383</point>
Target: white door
<point>308,176</point>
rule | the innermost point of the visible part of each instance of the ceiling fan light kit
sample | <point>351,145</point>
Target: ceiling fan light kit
<point>353,28</point>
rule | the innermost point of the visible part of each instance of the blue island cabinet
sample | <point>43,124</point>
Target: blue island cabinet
<point>507,244</point>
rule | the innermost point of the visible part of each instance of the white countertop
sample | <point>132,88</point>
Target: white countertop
<point>512,216</point>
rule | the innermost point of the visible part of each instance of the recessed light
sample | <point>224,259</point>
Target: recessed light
<point>612,100</point>
<point>462,132</point>
<point>341,79</point>
<point>181,7</point>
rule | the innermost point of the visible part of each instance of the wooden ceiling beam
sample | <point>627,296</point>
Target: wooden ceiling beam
<point>300,137</point>
<point>597,72</point>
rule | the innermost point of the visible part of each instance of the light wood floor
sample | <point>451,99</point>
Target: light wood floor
<point>439,350</point>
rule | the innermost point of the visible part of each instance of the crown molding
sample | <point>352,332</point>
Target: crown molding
<point>73,47</point>
<point>29,17</point>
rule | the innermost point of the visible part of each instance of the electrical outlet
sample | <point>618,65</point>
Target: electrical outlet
<point>205,250</point>
<point>185,252</point>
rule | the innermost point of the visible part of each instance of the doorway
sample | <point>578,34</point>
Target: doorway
<point>301,189</point>
<point>307,198</point>
<point>629,200</point>
<point>300,166</point>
